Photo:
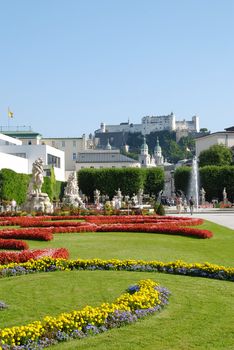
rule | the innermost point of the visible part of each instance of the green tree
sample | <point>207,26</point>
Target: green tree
<point>182,176</point>
<point>216,155</point>
<point>154,180</point>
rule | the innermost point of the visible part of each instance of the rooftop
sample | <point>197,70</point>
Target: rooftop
<point>103,157</point>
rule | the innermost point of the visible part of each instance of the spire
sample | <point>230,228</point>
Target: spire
<point>144,147</point>
<point>157,147</point>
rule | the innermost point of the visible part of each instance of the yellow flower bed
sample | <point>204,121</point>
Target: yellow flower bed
<point>178,267</point>
<point>146,297</point>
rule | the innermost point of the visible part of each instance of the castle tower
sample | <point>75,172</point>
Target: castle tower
<point>195,120</point>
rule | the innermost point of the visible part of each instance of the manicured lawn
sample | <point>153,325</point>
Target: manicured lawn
<point>124,245</point>
<point>199,314</point>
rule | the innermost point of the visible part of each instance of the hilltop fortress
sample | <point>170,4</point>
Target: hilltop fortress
<point>153,123</point>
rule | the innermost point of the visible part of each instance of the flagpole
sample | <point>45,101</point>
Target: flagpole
<point>10,115</point>
<point>8,124</point>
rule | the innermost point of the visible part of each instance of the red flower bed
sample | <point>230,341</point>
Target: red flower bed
<point>13,244</point>
<point>169,229</point>
<point>50,223</point>
<point>143,219</point>
<point>70,229</point>
<point>129,223</point>
<point>19,257</point>
<point>36,234</point>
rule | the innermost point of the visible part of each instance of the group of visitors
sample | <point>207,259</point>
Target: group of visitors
<point>182,203</point>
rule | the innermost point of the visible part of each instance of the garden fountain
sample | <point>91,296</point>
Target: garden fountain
<point>194,183</point>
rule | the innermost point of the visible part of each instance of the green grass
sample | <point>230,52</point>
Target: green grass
<point>124,245</point>
<point>199,314</point>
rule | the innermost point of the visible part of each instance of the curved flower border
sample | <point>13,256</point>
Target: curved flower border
<point>178,267</point>
<point>42,228</point>
<point>138,301</point>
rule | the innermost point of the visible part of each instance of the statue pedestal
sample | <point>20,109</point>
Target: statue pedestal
<point>38,202</point>
<point>73,200</point>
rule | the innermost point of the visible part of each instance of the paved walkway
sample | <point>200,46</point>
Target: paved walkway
<point>219,217</point>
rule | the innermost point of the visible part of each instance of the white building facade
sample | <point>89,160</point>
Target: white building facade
<point>19,157</point>
<point>70,146</point>
<point>225,138</point>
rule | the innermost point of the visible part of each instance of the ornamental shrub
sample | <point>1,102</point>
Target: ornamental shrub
<point>160,210</point>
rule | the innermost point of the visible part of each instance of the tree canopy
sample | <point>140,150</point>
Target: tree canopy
<point>216,155</point>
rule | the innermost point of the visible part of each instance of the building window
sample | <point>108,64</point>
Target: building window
<point>73,156</point>
<point>22,155</point>
<point>53,160</point>
<point>29,142</point>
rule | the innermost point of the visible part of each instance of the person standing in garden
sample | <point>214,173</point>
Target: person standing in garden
<point>191,205</point>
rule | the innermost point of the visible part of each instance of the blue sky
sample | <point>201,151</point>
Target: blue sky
<point>67,65</point>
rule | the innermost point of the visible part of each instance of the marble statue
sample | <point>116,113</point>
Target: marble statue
<point>97,197</point>
<point>119,194</point>
<point>203,193</point>
<point>71,193</point>
<point>72,186</point>
<point>134,200</point>
<point>224,195</point>
<point>140,196</point>
<point>37,200</point>
<point>37,177</point>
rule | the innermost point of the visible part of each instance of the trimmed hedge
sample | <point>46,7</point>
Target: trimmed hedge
<point>129,180</point>
<point>181,176</point>
<point>212,178</point>
<point>154,180</point>
<point>15,186</point>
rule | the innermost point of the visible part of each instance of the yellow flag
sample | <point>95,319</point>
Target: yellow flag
<point>10,113</point>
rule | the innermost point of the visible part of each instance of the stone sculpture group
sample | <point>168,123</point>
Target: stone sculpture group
<point>37,200</point>
<point>71,197</point>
